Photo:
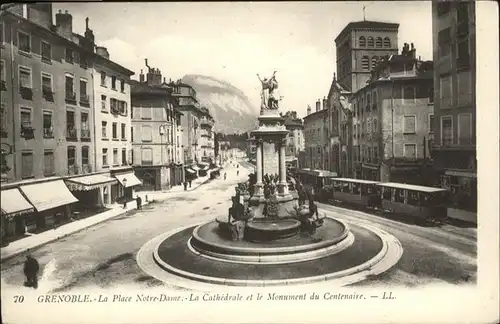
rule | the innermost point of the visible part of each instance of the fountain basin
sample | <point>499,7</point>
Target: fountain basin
<point>262,230</point>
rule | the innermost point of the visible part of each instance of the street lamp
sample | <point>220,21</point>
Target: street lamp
<point>162,130</point>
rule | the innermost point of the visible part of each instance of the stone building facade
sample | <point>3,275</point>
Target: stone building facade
<point>316,138</point>
<point>47,98</point>
<point>393,121</point>
<point>155,128</point>
<point>454,52</point>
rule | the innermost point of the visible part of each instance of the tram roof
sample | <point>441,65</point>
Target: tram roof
<point>318,173</point>
<point>410,187</point>
<point>356,180</point>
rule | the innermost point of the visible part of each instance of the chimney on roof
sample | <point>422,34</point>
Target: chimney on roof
<point>89,34</point>
<point>413,51</point>
<point>318,105</point>
<point>64,24</point>
<point>308,110</point>
<point>141,77</point>
<point>324,103</point>
<point>102,51</point>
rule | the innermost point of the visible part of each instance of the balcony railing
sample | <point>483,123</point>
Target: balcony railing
<point>84,99</point>
<point>70,97</point>
<point>71,134</point>
<point>85,134</point>
<point>48,132</point>
<point>26,93</point>
<point>73,169</point>
<point>48,94</point>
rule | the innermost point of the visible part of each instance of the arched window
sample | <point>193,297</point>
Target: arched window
<point>365,63</point>
<point>374,61</point>
<point>387,42</point>
<point>370,41</point>
<point>362,41</point>
<point>378,42</point>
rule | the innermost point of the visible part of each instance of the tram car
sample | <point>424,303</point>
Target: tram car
<point>318,180</point>
<point>356,191</point>
<point>418,201</point>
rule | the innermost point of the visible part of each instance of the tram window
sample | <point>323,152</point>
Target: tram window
<point>400,196</point>
<point>386,193</point>
<point>355,188</point>
<point>413,198</point>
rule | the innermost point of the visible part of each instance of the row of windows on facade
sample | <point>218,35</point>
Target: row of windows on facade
<point>377,42</point>
<point>116,158</point>
<point>114,131</point>
<point>464,86</point>
<point>461,31</point>
<point>27,163</point>
<point>26,115</point>
<point>168,135</point>
<point>147,155</point>
<point>24,45</point>
<point>48,91</point>
<point>160,113</point>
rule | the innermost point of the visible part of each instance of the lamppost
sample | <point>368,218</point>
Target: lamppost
<point>162,130</point>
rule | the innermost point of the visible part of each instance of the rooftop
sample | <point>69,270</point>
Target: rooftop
<point>367,24</point>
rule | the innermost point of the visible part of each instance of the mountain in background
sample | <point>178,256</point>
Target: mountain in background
<point>230,107</point>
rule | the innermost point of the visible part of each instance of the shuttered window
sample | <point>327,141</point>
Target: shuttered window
<point>27,165</point>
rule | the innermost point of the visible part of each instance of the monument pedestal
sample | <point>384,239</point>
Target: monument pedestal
<point>270,138</point>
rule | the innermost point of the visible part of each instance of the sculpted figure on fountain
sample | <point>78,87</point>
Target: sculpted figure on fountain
<point>269,93</point>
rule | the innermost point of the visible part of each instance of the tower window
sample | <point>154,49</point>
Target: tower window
<point>378,42</point>
<point>362,41</point>
<point>365,63</point>
<point>387,42</point>
<point>370,42</point>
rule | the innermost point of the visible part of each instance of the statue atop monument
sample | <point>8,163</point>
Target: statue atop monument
<point>269,93</point>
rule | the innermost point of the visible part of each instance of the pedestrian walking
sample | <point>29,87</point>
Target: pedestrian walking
<point>238,172</point>
<point>124,203</point>
<point>190,183</point>
<point>225,175</point>
<point>139,202</point>
<point>31,268</point>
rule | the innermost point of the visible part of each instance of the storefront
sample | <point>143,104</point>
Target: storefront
<point>14,210</point>
<point>52,201</point>
<point>90,190</point>
<point>127,182</point>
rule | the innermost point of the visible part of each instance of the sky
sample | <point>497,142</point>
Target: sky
<point>233,41</point>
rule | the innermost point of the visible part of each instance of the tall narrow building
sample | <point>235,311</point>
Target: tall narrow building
<point>360,45</point>
<point>454,51</point>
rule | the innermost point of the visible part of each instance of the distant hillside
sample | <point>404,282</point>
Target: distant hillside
<point>230,107</point>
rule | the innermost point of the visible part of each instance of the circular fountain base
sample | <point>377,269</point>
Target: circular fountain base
<point>213,242</point>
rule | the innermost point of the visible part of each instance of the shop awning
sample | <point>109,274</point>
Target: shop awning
<point>90,182</point>
<point>47,195</point>
<point>128,179</point>
<point>13,203</point>
<point>190,171</point>
<point>195,167</point>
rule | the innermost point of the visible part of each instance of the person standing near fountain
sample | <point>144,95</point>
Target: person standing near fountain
<point>31,268</point>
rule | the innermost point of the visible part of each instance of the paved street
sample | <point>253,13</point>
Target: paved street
<point>104,255</point>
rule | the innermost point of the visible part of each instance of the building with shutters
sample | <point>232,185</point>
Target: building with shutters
<point>156,132</point>
<point>392,121</point>
<point>454,51</point>
<point>316,139</point>
<point>47,107</point>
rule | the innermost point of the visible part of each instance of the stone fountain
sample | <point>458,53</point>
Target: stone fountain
<point>265,231</point>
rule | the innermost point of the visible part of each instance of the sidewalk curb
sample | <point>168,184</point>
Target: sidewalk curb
<point>17,253</point>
